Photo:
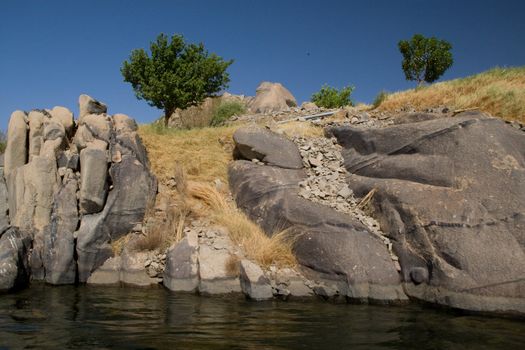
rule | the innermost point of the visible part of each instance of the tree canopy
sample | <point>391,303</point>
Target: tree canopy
<point>175,74</point>
<point>425,59</point>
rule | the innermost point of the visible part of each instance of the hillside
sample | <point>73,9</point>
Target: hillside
<point>498,91</point>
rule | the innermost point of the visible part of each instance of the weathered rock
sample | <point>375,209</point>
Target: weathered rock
<point>214,276</point>
<point>272,97</point>
<point>65,117</point>
<point>98,125</point>
<point>4,203</point>
<point>309,106</point>
<point>254,142</point>
<point>94,166</point>
<point>59,242</point>
<point>450,193</point>
<point>93,247</point>
<point>134,189</point>
<point>182,265</point>
<point>88,105</point>
<point>108,273</point>
<point>334,246</point>
<point>36,132</point>
<point>16,149</point>
<point>254,283</point>
<point>14,267</point>
<point>133,270</point>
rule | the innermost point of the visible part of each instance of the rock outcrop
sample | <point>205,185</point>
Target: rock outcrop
<point>272,97</point>
<point>450,194</point>
<point>74,188</point>
<point>331,247</point>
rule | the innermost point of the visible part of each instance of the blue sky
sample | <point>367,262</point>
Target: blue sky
<point>52,51</point>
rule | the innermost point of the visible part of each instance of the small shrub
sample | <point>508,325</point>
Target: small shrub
<point>329,97</point>
<point>381,96</point>
<point>3,142</point>
<point>225,111</point>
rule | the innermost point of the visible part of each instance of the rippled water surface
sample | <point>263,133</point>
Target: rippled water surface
<point>130,318</point>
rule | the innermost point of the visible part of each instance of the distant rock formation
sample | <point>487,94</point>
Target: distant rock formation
<point>73,188</point>
<point>272,97</point>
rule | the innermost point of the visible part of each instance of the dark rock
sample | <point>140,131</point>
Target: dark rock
<point>59,242</point>
<point>254,142</point>
<point>333,245</point>
<point>14,265</point>
<point>182,265</point>
<point>451,194</point>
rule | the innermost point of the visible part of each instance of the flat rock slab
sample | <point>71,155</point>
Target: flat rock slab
<point>253,281</point>
<point>214,275</point>
<point>182,265</point>
<point>254,142</point>
<point>451,194</point>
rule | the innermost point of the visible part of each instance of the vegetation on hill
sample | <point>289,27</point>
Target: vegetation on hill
<point>329,97</point>
<point>175,74</point>
<point>425,59</point>
<point>498,91</point>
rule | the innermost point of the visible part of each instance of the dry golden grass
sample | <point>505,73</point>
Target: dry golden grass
<point>300,129</point>
<point>242,231</point>
<point>499,91</point>
<point>204,153</point>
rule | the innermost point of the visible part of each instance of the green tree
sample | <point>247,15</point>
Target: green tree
<point>425,59</point>
<point>329,97</point>
<point>176,74</point>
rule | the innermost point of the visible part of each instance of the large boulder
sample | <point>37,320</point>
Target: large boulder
<point>272,97</point>
<point>16,152</point>
<point>88,105</point>
<point>451,194</point>
<point>14,266</point>
<point>94,165</point>
<point>254,142</point>
<point>329,245</point>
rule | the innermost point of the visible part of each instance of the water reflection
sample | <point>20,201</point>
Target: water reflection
<point>130,318</point>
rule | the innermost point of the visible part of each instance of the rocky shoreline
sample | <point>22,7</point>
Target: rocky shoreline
<point>78,188</point>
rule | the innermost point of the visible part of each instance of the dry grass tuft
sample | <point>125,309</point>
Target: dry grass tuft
<point>167,226</point>
<point>300,129</point>
<point>499,91</point>
<point>242,231</point>
<point>233,268</point>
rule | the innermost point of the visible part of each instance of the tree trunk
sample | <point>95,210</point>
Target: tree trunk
<point>167,115</point>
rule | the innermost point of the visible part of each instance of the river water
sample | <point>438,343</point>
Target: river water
<point>132,318</point>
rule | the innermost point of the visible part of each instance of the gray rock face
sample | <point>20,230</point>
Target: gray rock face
<point>16,149</point>
<point>63,168</point>
<point>14,267</point>
<point>108,273</point>
<point>253,282</point>
<point>214,276</point>
<point>59,241</point>
<point>451,194</point>
<point>272,97</point>
<point>88,105</point>
<point>4,204</point>
<point>182,266</point>
<point>254,142</point>
<point>133,271</point>
<point>94,165</point>
<point>330,244</point>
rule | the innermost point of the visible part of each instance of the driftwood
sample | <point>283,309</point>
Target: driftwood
<point>457,111</point>
<point>309,117</point>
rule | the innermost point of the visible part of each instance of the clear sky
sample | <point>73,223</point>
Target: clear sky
<point>52,51</point>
